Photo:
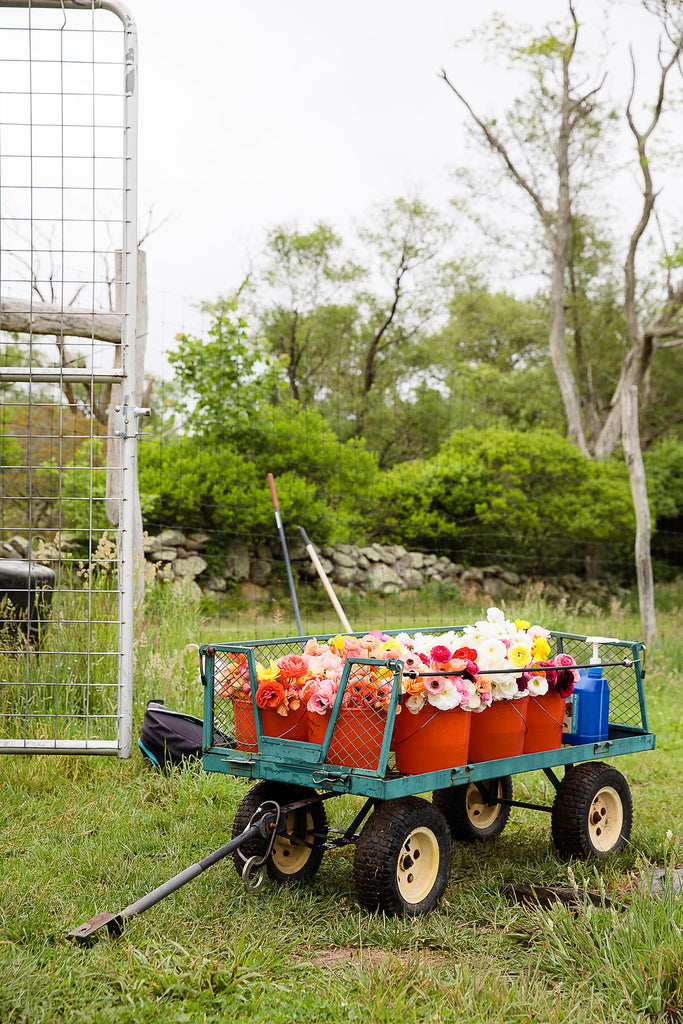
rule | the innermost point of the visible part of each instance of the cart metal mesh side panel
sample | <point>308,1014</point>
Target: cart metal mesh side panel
<point>623,670</point>
<point>68,251</point>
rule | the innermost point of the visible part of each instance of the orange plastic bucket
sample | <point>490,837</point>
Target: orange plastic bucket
<point>498,731</point>
<point>357,737</point>
<point>291,726</point>
<point>431,739</point>
<point>245,726</point>
<point>544,719</point>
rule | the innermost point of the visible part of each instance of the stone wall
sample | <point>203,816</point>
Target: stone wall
<point>372,568</point>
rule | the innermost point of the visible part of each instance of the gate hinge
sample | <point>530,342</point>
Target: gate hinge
<point>126,420</point>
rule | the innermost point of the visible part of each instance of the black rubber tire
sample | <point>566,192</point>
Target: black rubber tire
<point>386,869</point>
<point>296,854</point>
<point>469,817</point>
<point>593,812</point>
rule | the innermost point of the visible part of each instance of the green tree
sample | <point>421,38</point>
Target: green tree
<point>529,497</point>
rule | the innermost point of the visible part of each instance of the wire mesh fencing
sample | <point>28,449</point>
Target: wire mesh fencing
<point>68,307</point>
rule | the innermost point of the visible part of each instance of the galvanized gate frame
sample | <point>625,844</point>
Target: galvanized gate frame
<point>126,424</point>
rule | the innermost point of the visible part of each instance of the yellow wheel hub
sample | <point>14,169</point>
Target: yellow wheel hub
<point>605,819</point>
<point>290,852</point>
<point>418,865</point>
<point>481,815</point>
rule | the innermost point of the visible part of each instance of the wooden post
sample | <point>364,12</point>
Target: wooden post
<point>630,437</point>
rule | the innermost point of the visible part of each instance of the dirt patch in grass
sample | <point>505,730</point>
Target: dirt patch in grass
<point>375,956</point>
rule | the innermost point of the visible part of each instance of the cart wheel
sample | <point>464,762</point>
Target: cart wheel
<point>593,812</point>
<point>469,817</point>
<point>296,854</point>
<point>403,858</point>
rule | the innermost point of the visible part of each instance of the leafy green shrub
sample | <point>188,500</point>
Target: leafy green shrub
<point>529,500</point>
<point>664,468</point>
<point>196,482</point>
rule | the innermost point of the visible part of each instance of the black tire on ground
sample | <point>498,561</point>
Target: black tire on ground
<point>593,812</point>
<point>470,818</point>
<point>403,858</point>
<point>296,854</point>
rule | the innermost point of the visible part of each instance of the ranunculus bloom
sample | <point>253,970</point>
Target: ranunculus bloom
<point>519,654</point>
<point>537,686</point>
<point>263,674</point>
<point>540,648</point>
<point>292,666</point>
<point>468,653</point>
<point>322,698</point>
<point>448,699</point>
<point>270,694</point>
<point>414,703</point>
<point>410,685</point>
<point>352,647</point>
<point>435,684</point>
<point>439,654</point>
<point>564,681</point>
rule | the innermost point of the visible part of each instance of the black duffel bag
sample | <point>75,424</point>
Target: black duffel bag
<point>169,738</point>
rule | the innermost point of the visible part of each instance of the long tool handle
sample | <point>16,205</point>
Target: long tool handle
<point>283,541</point>
<point>114,922</point>
<point>326,583</point>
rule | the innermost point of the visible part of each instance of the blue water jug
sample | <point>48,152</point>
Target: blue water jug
<point>588,707</point>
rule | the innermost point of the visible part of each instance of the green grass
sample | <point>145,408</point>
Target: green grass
<point>83,835</point>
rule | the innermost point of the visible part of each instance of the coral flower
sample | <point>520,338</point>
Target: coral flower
<point>292,666</point>
<point>270,694</point>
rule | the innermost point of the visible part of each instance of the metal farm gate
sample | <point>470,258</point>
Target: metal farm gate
<point>69,506</point>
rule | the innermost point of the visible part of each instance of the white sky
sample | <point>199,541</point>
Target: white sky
<point>253,114</point>
<point>257,113</point>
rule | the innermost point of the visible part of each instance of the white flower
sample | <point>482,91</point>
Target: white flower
<point>495,615</point>
<point>537,686</point>
<point>414,703</point>
<point>490,651</point>
<point>448,699</point>
<point>504,687</point>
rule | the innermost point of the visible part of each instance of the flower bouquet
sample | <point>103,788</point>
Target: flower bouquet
<point>464,696</point>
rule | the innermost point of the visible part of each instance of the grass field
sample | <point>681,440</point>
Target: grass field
<point>82,835</point>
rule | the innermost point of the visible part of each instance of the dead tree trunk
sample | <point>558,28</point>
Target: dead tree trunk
<point>630,437</point>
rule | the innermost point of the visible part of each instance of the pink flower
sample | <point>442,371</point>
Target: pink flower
<point>322,699</point>
<point>313,647</point>
<point>435,684</point>
<point>440,654</point>
<point>352,647</point>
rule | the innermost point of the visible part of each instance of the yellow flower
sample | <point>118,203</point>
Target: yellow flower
<point>521,624</point>
<point>266,674</point>
<point>338,642</point>
<point>519,655</point>
<point>541,648</point>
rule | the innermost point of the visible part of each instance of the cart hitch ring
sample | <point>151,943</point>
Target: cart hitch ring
<point>254,870</point>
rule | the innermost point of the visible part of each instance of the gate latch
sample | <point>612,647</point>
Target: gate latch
<point>126,420</point>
